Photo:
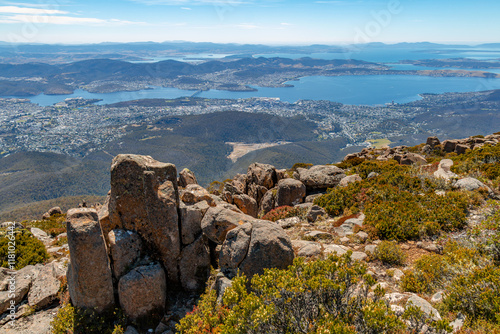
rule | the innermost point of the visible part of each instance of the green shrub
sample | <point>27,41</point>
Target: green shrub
<point>28,250</point>
<point>314,297</point>
<point>284,212</point>
<point>389,252</point>
<point>476,294</point>
<point>397,204</point>
<point>70,320</point>
<point>53,226</point>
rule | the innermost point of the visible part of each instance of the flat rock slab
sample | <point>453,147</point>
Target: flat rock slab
<point>44,288</point>
<point>306,248</point>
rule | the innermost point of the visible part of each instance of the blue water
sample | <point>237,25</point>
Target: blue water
<point>357,90</point>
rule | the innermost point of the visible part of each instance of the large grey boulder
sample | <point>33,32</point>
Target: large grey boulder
<point>219,220</point>
<point>45,287</point>
<point>89,276</point>
<point>194,265</point>
<point>125,248</point>
<point>444,170</point>
<point>195,193</point>
<point>315,212</point>
<point>470,184</point>
<point>268,201</point>
<point>290,192</point>
<point>412,159</point>
<point>20,283</point>
<point>262,174</point>
<point>191,216</point>
<point>349,179</point>
<point>144,198</point>
<point>142,292</point>
<point>424,305</point>
<point>320,176</point>
<point>255,245</point>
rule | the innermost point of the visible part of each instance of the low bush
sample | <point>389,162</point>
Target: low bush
<point>53,226</point>
<point>390,253</point>
<point>70,320</point>
<point>284,212</point>
<point>28,250</point>
<point>314,297</point>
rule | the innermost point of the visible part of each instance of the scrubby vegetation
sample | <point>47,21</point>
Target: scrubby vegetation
<point>28,250</point>
<point>390,253</point>
<point>283,212</point>
<point>399,204</point>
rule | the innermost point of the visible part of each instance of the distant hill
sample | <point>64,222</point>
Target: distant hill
<point>196,142</point>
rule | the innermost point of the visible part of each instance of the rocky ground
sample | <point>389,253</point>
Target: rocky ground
<point>111,245</point>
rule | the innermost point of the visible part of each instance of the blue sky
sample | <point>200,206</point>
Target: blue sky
<point>250,21</point>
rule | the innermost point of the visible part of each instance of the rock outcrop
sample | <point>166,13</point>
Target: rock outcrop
<point>89,276</point>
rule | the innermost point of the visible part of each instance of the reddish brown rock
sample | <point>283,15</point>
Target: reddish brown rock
<point>262,174</point>
<point>290,192</point>
<point>246,204</point>
<point>186,177</point>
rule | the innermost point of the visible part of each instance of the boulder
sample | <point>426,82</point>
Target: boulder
<point>195,193</point>
<point>372,175</point>
<point>461,148</point>
<point>256,245</point>
<point>362,236</point>
<point>257,192</point>
<point>412,159</point>
<point>290,192</point>
<point>320,176</point>
<point>315,212</point>
<point>318,235</point>
<point>89,274</point>
<point>186,177</point>
<point>125,248</point>
<point>444,170</point>
<point>433,141</point>
<point>370,249</point>
<point>262,174</point>
<point>191,216</point>
<point>144,198</point>
<point>20,283</point>
<point>45,288</point>
<point>41,235</point>
<point>449,145</point>
<point>268,201</point>
<point>246,204</point>
<point>219,220</point>
<point>194,265</point>
<point>335,249</point>
<point>470,184</point>
<point>288,222</point>
<point>142,293</point>
<point>424,305</point>
<point>306,248</point>
<point>239,182</point>
<point>359,256</point>
<point>220,285</point>
<point>349,179</point>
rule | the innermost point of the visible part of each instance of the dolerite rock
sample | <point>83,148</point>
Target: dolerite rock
<point>470,184</point>
<point>144,198</point>
<point>349,179</point>
<point>268,201</point>
<point>444,170</point>
<point>191,216</point>
<point>290,192</point>
<point>90,282</point>
<point>424,305</point>
<point>186,177</point>
<point>218,221</point>
<point>262,174</point>
<point>257,192</point>
<point>433,141</point>
<point>306,248</point>
<point>461,148</point>
<point>449,145</point>
<point>45,288</point>
<point>240,182</point>
<point>142,293</point>
<point>52,211</point>
<point>314,212</point>
<point>194,265</point>
<point>23,281</point>
<point>320,176</point>
<point>256,245</point>
<point>412,159</point>
<point>125,248</point>
<point>195,193</point>
<point>246,204</point>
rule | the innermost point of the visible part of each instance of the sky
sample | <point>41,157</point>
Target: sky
<point>273,22</point>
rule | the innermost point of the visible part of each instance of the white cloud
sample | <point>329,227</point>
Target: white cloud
<point>247,26</point>
<point>286,24</point>
<point>62,20</point>
<point>27,10</point>
<point>185,8</point>
<point>193,2</point>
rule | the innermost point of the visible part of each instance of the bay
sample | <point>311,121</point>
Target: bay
<point>356,90</point>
